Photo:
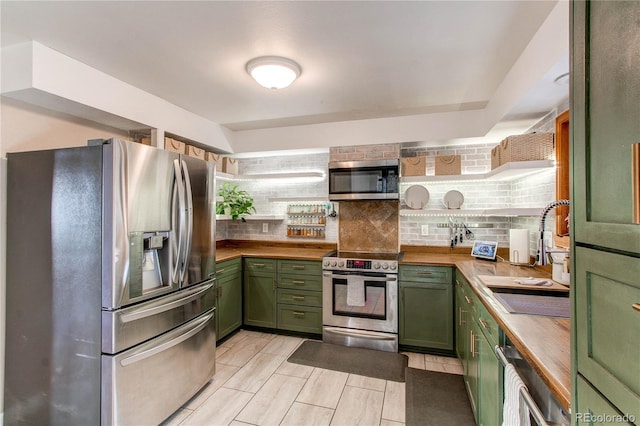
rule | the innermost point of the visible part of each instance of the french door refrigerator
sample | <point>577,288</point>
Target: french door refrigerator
<point>110,284</point>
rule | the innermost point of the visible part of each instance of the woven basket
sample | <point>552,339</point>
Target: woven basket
<point>215,158</point>
<point>414,166</point>
<point>174,145</point>
<point>448,165</point>
<point>529,147</point>
<point>195,152</point>
<point>230,165</point>
<point>495,157</point>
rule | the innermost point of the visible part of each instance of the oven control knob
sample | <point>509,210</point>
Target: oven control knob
<point>376,265</point>
<point>326,263</point>
<point>334,263</point>
<point>393,266</point>
<point>385,266</point>
<point>341,263</point>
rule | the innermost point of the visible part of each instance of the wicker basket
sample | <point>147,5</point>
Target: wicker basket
<point>495,157</point>
<point>215,158</point>
<point>414,166</point>
<point>448,165</point>
<point>529,147</point>
<point>195,152</point>
<point>230,165</point>
<point>174,145</point>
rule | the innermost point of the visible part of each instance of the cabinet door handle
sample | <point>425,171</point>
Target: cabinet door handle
<point>298,314</point>
<point>298,298</point>
<point>473,344</point>
<point>636,306</point>
<point>297,281</point>
<point>461,313</point>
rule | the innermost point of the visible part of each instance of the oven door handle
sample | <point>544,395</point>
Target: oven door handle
<point>386,278</point>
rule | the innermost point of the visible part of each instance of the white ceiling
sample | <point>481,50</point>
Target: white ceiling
<point>360,59</point>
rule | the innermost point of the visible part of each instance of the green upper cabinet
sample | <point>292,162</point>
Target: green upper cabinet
<point>426,307</point>
<point>605,109</point>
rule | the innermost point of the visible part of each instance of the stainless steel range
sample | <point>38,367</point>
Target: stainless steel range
<point>360,300</point>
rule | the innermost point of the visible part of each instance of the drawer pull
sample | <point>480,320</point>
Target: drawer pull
<point>457,283</point>
<point>299,298</point>
<point>219,271</point>
<point>461,313</point>
<point>297,267</point>
<point>298,314</point>
<point>467,299</point>
<point>258,265</point>
<point>636,306</point>
<point>297,281</point>
<point>425,274</point>
<point>484,324</point>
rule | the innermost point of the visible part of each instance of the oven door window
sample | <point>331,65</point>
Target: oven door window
<point>375,300</point>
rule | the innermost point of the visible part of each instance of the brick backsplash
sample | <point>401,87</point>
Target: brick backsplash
<point>536,190</point>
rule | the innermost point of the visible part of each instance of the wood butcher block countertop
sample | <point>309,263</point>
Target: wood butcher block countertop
<point>543,341</point>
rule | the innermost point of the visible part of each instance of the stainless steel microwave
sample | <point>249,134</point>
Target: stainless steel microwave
<point>364,180</point>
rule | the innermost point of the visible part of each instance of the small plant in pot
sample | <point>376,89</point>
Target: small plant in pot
<point>235,202</point>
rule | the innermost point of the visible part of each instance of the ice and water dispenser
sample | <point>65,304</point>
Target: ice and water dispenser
<point>149,262</point>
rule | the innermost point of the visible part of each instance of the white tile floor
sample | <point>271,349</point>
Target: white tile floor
<point>255,385</point>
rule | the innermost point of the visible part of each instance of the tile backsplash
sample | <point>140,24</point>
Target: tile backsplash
<point>536,190</point>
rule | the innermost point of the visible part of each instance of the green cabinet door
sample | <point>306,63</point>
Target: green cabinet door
<point>229,305</point>
<point>593,409</point>
<point>473,367</point>
<point>426,315</point>
<point>489,385</point>
<point>604,124</point>
<point>608,325</point>
<point>260,293</point>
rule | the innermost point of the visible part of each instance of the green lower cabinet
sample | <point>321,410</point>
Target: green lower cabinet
<point>594,409</point>
<point>259,297</point>
<point>489,385</point>
<point>473,368</point>
<point>426,315</point>
<point>305,319</point>
<point>228,304</point>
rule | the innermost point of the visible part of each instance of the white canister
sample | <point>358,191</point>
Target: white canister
<point>519,246</point>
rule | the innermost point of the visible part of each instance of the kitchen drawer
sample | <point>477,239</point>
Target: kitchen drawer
<point>300,297</point>
<point>306,267</point>
<point>426,274</point>
<point>306,319</point>
<point>304,282</point>
<point>228,267</point>
<point>488,324</point>
<point>259,264</point>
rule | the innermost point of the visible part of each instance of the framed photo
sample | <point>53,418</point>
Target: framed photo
<point>485,249</point>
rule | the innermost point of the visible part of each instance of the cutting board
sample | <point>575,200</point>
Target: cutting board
<point>493,281</point>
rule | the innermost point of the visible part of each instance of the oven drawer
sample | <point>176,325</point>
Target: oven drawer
<point>300,297</point>
<point>307,267</point>
<point>260,265</point>
<point>306,319</point>
<point>302,282</point>
<point>426,274</point>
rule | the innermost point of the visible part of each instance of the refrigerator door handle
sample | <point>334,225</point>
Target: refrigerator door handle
<point>188,221</point>
<point>187,297</point>
<point>177,253</point>
<point>174,338</point>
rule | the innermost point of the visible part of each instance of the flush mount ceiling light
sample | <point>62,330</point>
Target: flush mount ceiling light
<point>562,79</point>
<point>273,72</point>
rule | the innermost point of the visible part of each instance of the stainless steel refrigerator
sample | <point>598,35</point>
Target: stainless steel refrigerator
<point>110,284</point>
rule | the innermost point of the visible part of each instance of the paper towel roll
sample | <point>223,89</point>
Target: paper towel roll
<point>519,245</point>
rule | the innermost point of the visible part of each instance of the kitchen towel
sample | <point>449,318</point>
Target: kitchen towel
<point>519,246</point>
<point>355,291</point>
<point>515,411</point>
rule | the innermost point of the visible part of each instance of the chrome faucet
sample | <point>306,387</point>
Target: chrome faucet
<point>541,256</point>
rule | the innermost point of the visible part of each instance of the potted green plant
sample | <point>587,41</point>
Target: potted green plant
<point>235,202</point>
